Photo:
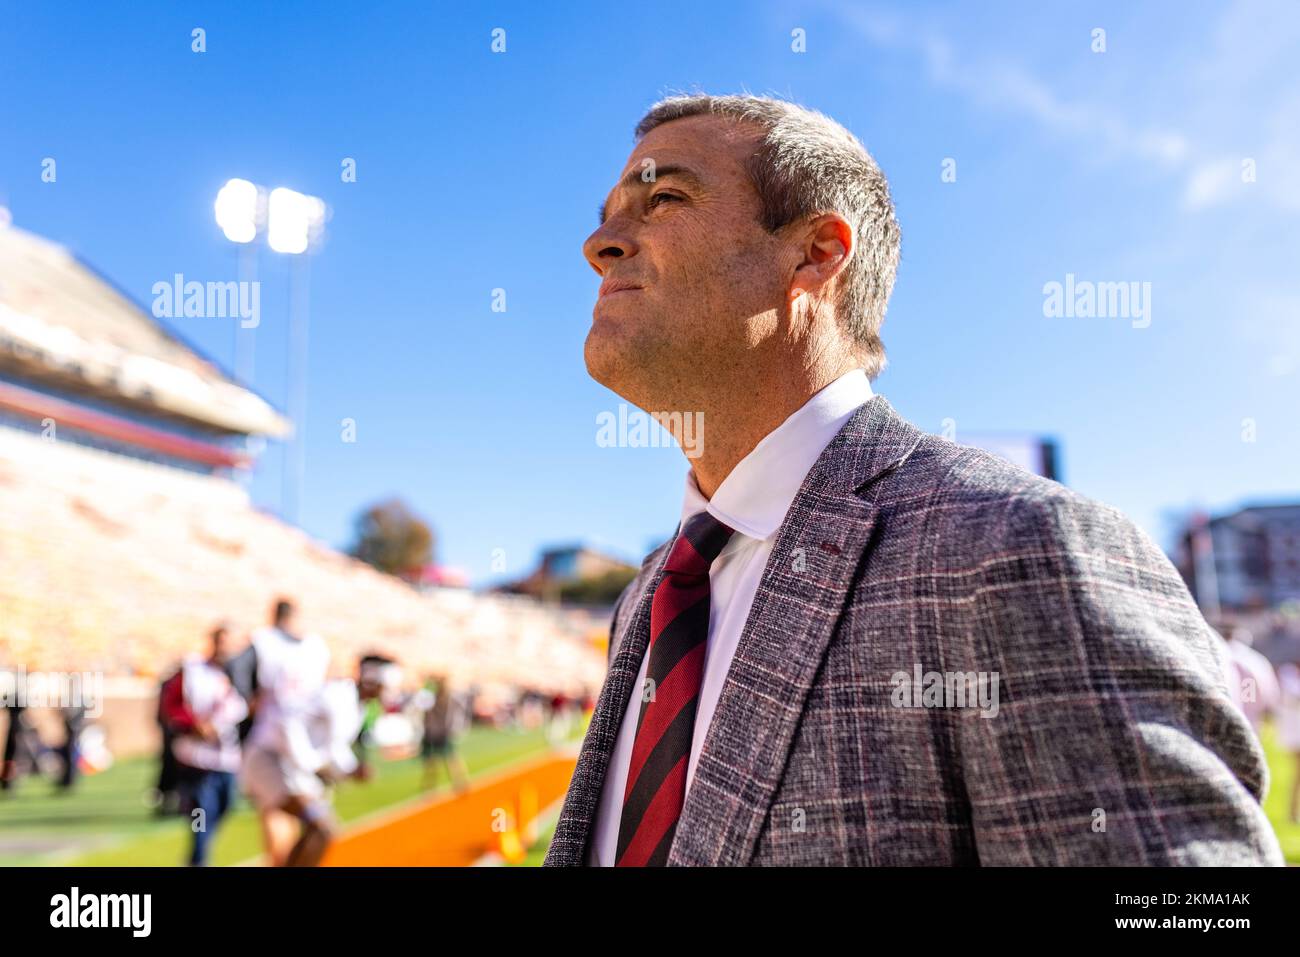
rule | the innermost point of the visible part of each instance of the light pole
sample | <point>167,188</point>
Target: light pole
<point>241,212</point>
<point>295,223</point>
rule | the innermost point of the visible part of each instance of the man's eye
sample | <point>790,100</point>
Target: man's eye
<point>654,200</point>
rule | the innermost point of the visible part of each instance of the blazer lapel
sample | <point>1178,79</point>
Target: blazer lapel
<point>573,831</point>
<point>799,600</point>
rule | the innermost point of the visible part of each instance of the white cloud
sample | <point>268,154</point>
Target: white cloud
<point>1211,183</point>
<point>1240,101</point>
<point>998,84</point>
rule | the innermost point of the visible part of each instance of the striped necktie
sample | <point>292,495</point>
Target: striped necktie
<point>679,631</point>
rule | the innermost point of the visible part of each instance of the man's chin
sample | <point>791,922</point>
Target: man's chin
<point>601,354</point>
<point>611,356</point>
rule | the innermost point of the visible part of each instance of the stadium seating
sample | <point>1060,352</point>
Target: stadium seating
<point>121,566</point>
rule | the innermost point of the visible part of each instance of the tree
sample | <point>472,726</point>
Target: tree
<point>393,538</point>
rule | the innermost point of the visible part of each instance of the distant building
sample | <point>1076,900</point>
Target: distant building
<point>1248,560</point>
<point>568,566</point>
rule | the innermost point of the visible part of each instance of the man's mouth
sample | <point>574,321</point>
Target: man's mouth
<point>612,287</point>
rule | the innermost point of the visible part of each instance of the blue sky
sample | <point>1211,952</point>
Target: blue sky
<point>478,171</point>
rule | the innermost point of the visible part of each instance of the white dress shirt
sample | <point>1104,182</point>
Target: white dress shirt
<point>753,500</point>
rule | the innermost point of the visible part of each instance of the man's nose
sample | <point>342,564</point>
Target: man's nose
<point>607,244</point>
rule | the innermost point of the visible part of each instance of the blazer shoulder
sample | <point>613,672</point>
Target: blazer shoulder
<point>982,503</point>
<point>966,473</point>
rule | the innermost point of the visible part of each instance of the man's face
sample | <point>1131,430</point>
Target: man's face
<point>709,277</point>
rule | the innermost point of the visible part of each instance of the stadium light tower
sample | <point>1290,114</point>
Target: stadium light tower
<point>294,221</point>
<point>295,225</point>
<point>237,210</point>
<point>240,209</point>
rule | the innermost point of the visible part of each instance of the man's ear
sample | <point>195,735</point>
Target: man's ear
<point>827,245</point>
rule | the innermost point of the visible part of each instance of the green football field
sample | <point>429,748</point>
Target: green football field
<point>106,821</point>
<point>1282,772</point>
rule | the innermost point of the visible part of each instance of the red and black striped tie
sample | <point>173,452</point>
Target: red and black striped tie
<point>679,631</point>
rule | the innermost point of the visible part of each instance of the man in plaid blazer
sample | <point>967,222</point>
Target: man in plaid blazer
<point>946,660</point>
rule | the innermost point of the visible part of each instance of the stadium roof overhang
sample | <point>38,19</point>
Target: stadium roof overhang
<point>63,325</point>
<point>39,406</point>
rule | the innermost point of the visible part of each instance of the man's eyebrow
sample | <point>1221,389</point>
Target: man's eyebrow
<point>633,179</point>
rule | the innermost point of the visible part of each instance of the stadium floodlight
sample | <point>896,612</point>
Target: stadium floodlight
<point>236,208</point>
<point>294,220</point>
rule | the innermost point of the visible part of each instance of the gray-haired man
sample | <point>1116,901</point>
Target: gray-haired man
<point>865,644</point>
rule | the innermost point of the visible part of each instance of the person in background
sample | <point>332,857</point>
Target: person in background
<point>166,794</point>
<point>287,669</point>
<point>203,710</point>
<point>1251,679</point>
<point>1288,727</point>
<point>559,721</point>
<point>437,742</point>
<point>301,742</point>
<point>74,720</point>
<point>333,725</point>
<point>18,754</point>
<point>242,671</point>
<point>378,681</point>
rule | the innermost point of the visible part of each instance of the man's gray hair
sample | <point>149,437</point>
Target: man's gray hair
<point>808,164</point>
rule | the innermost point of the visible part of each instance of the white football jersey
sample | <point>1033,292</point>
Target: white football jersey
<point>290,673</point>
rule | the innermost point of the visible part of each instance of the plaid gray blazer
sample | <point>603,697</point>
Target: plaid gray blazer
<point>1095,728</point>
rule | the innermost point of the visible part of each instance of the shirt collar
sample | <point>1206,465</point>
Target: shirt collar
<point>755,496</point>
